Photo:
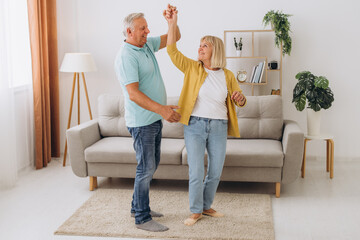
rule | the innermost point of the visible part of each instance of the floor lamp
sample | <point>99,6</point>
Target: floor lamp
<point>77,63</point>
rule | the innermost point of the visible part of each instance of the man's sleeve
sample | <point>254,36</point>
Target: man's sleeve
<point>129,70</point>
<point>154,43</point>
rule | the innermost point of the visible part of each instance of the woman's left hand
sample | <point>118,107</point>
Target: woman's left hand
<point>239,98</point>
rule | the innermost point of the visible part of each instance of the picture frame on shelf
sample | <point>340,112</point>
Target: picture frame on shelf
<point>275,91</point>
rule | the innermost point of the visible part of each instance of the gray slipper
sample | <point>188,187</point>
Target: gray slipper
<point>152,226</point>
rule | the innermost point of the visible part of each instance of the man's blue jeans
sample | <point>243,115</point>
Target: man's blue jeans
<point>201,134</point>
<point>147,140</point>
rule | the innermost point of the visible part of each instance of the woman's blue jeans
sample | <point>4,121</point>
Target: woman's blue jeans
<point>201,134</point>
<point>147,141</point>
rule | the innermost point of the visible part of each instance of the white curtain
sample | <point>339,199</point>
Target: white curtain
<point>16,102</point>
<point>8,168</point>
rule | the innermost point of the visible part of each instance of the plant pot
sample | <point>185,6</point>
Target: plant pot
<point>238,53</point>
<point>313,122</point>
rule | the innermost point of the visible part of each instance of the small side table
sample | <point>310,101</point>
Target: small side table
<point>329,153</point>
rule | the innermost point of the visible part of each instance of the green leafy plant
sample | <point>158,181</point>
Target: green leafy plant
<point>281,25</point>
<point>238,46</point>
<point>315,90</point>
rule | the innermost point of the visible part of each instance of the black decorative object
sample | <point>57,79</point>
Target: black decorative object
<point>273,65</point>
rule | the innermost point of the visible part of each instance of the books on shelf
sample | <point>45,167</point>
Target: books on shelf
<point>258,71</point>
<point>252,74</point>
<point>262,71</point>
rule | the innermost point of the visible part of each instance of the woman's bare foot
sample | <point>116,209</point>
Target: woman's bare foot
<point>211,212</point>
<point>193,219</point>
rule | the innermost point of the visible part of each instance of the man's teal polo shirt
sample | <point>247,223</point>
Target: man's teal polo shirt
<point>134,64</point>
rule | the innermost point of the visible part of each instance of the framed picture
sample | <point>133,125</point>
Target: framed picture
<point>275,91</point>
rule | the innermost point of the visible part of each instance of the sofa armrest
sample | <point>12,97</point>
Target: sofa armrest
<point>79,138</point>
<point>293,148</point>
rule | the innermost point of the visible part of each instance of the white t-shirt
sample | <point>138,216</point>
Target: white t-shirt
<point>211,101</point>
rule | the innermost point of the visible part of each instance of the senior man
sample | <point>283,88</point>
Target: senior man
<point>145,105</point>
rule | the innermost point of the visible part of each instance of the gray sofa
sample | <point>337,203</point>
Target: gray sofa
<point>270,149</point>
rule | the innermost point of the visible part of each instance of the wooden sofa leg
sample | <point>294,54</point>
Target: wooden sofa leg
<point>277,191</point>
<point>93,183</point>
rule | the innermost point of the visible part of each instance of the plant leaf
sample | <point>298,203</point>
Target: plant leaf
<point>299,90</point>
<point>327,98</point>
<point>314,106</point>
<point>300,103</point>
<point>321,82</point>
<point>303,74</point>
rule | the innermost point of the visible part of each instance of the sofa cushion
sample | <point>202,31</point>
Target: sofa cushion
<point>172,130</point>
<point>120,150</point>
<point>261,118</point>
<point>250,153</point>
<point>111,116</point>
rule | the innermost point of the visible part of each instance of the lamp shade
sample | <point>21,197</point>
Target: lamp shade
<point>78,62</point>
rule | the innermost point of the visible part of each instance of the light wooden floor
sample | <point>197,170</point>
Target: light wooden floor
<point>314,208</point>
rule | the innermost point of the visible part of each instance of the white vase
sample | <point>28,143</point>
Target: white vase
<point>238,53</point>
<point>313,122</point>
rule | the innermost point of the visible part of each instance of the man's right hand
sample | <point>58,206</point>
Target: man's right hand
<point>169,114</point>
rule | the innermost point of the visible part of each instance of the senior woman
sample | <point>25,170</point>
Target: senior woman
<point>208,112</point>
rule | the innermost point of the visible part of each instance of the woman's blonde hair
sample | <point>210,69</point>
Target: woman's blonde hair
<point>218,52</point>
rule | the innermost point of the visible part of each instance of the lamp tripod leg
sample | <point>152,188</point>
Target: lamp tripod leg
<point>69,120</point>
<point>78,95</point>
<point>87,96</point>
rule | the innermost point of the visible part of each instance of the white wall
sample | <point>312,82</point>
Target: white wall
<point>325,41</point>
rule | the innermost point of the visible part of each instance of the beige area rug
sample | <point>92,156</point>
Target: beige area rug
<point>107,214</point>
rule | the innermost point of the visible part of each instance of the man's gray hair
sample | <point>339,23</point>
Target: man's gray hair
<point>129,21</point>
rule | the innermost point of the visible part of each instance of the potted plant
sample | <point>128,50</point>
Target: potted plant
<point>281,25</point>
<point>314,91</point>
<point>238,46</point>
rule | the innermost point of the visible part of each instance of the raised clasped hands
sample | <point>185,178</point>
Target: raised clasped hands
<point>170,14</point>
<point>238,97</point>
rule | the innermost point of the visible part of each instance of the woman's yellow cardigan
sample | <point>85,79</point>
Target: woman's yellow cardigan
<point>195,75</point>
